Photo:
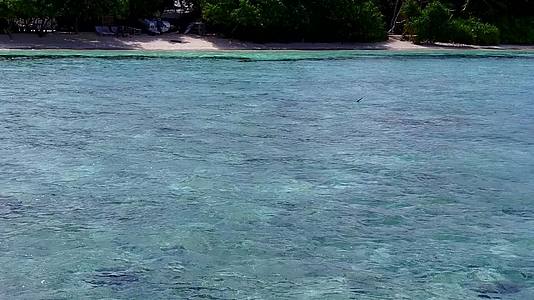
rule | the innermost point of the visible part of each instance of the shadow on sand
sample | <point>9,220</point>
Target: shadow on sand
<point>171,41</point>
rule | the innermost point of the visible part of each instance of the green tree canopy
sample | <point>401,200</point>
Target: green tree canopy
<point>317,20</point>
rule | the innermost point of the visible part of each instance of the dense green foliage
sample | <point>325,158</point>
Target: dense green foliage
<point>432,25</point>
<point>435,23</point>
<point>463,21</point>
<point>85,8</point>
<point>84,11</point>
<point>319,20</point>
<point>473,31</point>
<point>518,30</point>
<point>469,22</point>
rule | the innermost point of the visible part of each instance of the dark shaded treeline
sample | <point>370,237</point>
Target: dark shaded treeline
<point>307,20</point>
<point>470,21</point>
<point>79,14</point>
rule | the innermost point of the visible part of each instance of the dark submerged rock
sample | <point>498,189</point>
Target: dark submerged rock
<point>493,290</point>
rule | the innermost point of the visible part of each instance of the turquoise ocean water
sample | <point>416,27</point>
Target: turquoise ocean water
<point>256,175</point>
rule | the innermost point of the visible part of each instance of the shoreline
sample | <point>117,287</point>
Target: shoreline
<point>179,42</point>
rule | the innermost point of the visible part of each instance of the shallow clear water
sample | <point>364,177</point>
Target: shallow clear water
<point>262,178</point>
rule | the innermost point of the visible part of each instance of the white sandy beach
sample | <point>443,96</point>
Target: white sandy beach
<point>89,41</point>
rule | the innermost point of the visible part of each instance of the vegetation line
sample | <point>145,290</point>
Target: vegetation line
<point>485,22</point>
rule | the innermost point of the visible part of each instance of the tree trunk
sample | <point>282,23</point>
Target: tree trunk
<point>395,16</point>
